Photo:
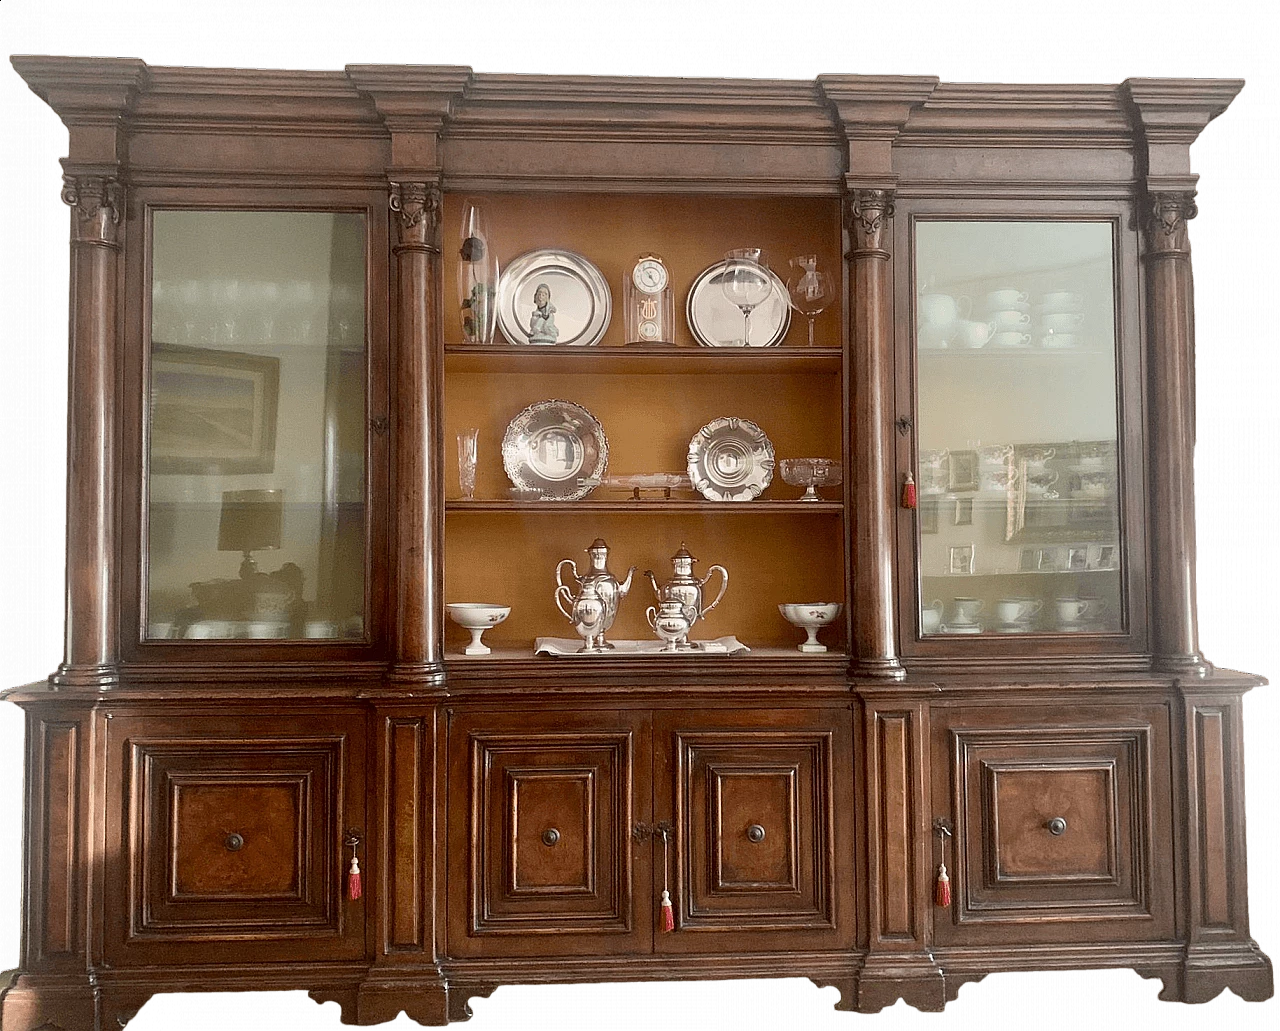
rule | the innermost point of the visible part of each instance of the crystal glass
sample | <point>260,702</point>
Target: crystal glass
<point>1018,470</point>
<point>810,291</point>
<point>810,473</point>
<point>467,441</point>
<point>256,494</point>
<point>745,282</point>
<point>477,275</point>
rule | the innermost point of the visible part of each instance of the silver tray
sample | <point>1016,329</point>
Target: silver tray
<point>551,446</point>
<point>564,646</point>
<point>730,460</point>
<point>715,321</point>
<point>579,295</point>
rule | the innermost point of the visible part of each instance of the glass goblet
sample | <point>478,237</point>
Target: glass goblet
<point>745,282</point>
<point>810,291</point>
<point>467,441</point>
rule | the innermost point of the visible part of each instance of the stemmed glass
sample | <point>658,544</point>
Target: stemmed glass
<point>746,284</point>
<point>810,290</point>
<point>467,441</point>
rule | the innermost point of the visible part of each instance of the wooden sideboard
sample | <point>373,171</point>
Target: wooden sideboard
<point>269,368</point>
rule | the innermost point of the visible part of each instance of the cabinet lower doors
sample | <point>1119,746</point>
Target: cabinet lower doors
<point>1056,836</point>
<point>228,846</point>
<point>556,828</point>
<point>541,813</point>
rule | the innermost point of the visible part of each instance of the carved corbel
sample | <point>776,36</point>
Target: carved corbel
<point>867,214</point>
<point>418,206</point>
<point>98,202</point>
<point>1165,221</point>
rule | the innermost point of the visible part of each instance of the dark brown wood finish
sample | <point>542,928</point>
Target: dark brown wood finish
<point>186,829</point>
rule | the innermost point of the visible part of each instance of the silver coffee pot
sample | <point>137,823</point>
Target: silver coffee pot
<point>604,585</point>
<point>587,614</point>
<point>686,588</point>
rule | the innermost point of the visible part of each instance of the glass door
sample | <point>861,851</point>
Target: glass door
<point>1017,467</point>
<point>256,442</point>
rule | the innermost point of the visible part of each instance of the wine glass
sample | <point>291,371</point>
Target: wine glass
<point>810,290</point>
<point>746,283</point>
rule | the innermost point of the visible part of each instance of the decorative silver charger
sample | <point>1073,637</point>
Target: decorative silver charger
<point>715,321</point>
<point>550,296</point>
<point>552,447</point>
<point>730,460</point>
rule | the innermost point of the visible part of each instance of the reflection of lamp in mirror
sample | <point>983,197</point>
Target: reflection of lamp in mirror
<point>251,521</point>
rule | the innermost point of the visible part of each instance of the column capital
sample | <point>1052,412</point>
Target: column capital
<point>418,207</point>
<point>1165,214</point>
<point>867,215</point>
<point>98,202</point>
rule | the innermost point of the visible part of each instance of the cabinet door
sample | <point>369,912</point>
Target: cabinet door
<point>542,807</point>
<point>760,804</point>
<point>228,843</point>
<point>1056,836</point>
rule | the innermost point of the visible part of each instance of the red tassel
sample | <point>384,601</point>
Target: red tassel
<point>668,914</point>
<point>942,889</point>
<point>354,887</point>
<point>909,491</point>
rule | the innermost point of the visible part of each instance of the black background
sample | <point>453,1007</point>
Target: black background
<point>1238,473</point>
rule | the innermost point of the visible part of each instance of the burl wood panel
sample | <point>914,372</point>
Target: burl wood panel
<point>266,814</point>
<point>1213,808</point>
<point>543,839</point>
<point>405,819</point>
<point>55,922</point>
<point>1021,801</point>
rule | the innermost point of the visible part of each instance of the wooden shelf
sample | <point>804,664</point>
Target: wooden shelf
<point>642,360</point>
<point>648,507</point>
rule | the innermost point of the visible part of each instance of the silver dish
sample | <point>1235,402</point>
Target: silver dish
<point>730,460</point>
<point>551,446</point>
<point>580,302</point>
<point>714,321</point>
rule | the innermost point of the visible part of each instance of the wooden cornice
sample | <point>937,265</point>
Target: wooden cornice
<point>413,101</point>
<point>983,114</point>
<point>871,111</point>
<point>560,107</point>
<point>84,90</point>
<point>1168,115</point>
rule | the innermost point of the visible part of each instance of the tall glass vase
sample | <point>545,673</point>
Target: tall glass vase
<point>477,276</point>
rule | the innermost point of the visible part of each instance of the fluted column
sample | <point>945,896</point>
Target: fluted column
<point>417,429</point>
<point>92,644</point>
<point>868,215</point>
<point>1171,367</point>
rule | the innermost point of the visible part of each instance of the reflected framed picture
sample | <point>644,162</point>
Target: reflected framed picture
<point>1077,559</point>
<point>928,509</point>
<point>212,412</point>
<point>963,471</point>
<point>963,512</point>
<point>961,558</point>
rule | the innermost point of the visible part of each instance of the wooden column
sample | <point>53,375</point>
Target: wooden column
<point>868,215</point>
<point>1171,368</point>
<point>416,431</point>
<point>92,643</point>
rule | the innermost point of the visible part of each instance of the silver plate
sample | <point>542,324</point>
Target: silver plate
<point>551,445</point>
<point>730,460</point>
<point>715,321</point>
<point>579,294</point>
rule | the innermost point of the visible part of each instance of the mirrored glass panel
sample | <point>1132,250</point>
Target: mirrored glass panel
<point>1017,468</point>
<point>256,497</point>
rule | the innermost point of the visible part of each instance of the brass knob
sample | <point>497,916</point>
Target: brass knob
<point>233,842</point>
<point>550,836</point>
<point>1057,826</point>
<point>755,834</point>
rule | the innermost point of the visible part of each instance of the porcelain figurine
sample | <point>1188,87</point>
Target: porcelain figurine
<point>542,323</point>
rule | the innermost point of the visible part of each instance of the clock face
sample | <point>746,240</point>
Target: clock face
<point>649,275</point>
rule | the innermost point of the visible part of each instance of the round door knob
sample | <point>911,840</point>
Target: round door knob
<point>550,836</point>
<point>755,833</point>
<point>1057,826</point>
<point>233,842</point>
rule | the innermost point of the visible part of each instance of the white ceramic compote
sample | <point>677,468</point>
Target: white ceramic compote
<point>810,473</point>
<point>477,618</point>
<point>810,617</point>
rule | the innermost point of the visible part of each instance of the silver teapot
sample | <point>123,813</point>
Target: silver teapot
<point>604,584</point>
<point>587,614</point>
<point>686,588</point>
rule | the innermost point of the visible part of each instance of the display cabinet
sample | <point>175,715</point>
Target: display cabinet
<point>330,380</point>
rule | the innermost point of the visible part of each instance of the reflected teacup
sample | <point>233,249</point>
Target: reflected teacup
<point>931,618</point>
<point>1059,340</point>
<point>1007,297</point>
<point>1060,300</point>
<point>1060,321</point>
<point>1011,338</point>
<point>967,610</point>
<point>1017,610</point>
<point>1008,318</point>
<point>972,333</point>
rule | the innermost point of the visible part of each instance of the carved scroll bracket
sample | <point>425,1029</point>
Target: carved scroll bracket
<point>867,216</point>
<point>418,206</point>
<point>98,202</point>
<point>1165,223</point>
